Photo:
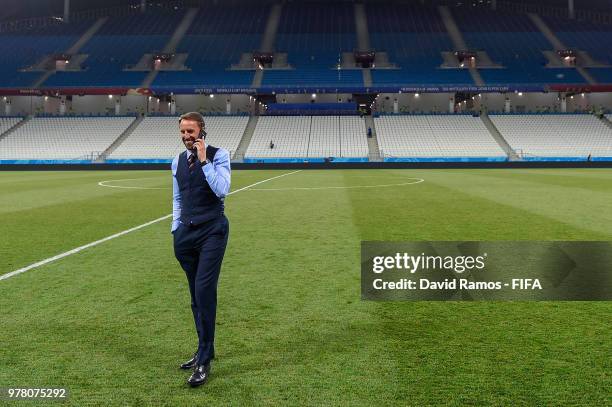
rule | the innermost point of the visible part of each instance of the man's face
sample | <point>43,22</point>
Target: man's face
<point>190,129</point>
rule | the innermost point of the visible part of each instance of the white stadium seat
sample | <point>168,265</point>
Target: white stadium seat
<point>555,135</point>
<point>7,122</point>
<point>435,136</point>
<point>531,135</point>
<point>308,137</point>
<point>66,138</point>
<point>158,137</point>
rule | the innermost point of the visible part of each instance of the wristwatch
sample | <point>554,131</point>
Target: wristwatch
<point>207,161</point>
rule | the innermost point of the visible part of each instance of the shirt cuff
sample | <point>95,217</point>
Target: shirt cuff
<point>175,225</point>
<point>208,168</point>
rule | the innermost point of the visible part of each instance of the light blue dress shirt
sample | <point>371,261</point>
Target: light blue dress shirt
<point>217,173</point>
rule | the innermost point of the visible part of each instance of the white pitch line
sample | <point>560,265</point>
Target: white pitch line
<point>418,181</point>
<point>78,249</point>
<point>97,242</point>
<point>103,183</point>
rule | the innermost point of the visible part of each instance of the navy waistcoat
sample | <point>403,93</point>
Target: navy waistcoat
<point>199,203</point>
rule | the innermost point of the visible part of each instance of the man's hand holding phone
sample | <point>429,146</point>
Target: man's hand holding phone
<point>200,146</point>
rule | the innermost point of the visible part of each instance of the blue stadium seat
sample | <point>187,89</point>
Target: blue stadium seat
<point>121,41</point>
<point>314,35</point>
<point>513,41</point>
<point>216,39</point>
<point>27,47</point>
<point>591,37</point>
<point>414,37</point>
<point>601,75</point>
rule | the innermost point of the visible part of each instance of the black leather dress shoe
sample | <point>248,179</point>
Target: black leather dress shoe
<point>200,375</point>
<point>190,364</point>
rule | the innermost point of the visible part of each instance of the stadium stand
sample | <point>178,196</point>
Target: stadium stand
<point>435,136</point>
<point>158,138</point>
<point>314,35</point>
<point>25,48</point>
<point>308,136</point>
<point>215,40</point>
<point>352,140</point>
<point>513,41</point>
<point>587,36</point>
<point>7,122</point>
<point>596,39</point>
<point>288,133</point>
<point>119,43</point>
<point>67,138</point>
<point>555,135</point>
<point>414,37</point>
<point>601,75</point>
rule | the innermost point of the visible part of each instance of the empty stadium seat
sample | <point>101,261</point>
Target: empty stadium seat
<point>555,135</point>
<point>414,37</point>
<point>587,36</point>
<point>216,40</point>
<point>513,41</point>
<point>308,137</point>
<point>158,137</point>
<point>120,42</point>
<point>315,35</point>
<point>66,138</point>
<point>8,122</point>
<point>27,47</point>
<point>435,136</point>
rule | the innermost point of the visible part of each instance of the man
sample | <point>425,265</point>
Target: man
<point>200,181</point>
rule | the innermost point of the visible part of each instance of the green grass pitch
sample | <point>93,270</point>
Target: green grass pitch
<point>112,322</point>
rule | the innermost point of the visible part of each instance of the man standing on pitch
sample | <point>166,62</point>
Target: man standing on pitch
<point>200,181</point>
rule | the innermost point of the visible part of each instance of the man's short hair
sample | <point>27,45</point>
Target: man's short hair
<point>193,116</point>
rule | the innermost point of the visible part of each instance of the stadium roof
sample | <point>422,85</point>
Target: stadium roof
<point>19,9</point>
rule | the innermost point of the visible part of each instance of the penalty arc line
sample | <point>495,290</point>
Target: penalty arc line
<point>418,181</point>
<point>125,232</point>
<point>103,184</point>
